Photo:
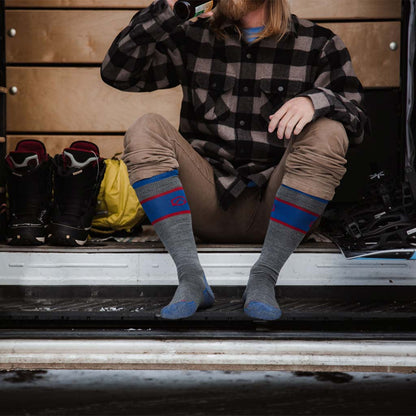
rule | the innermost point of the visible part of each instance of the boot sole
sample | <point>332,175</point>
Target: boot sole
<point>65,235</point>
<point>26,235</point>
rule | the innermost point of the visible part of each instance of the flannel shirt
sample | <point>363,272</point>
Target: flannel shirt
<point>231,86</point>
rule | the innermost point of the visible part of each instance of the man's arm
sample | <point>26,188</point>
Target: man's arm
<point>145,55</point>
<point>337,93</point>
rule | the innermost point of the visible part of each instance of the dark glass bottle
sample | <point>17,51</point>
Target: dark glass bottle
<point>188,9</point>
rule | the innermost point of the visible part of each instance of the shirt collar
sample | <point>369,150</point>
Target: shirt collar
<point>230,27</point>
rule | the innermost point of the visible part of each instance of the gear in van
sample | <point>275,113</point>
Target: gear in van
<point>77,173</point>
<point>385,218</point>
<point>29,187</point>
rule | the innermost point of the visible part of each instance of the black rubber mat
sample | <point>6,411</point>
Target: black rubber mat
<point>225,309</point>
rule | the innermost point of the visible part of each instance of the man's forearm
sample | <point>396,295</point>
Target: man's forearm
<point>129,63</point>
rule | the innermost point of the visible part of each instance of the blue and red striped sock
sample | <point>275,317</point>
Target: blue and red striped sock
<point>293,214</point>
<point>164,201</point>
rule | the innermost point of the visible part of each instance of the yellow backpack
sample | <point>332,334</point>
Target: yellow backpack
<point>118,207</point>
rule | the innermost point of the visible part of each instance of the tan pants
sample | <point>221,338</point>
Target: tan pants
<point>313,163</point>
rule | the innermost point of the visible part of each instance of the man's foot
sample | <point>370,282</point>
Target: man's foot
<point>164,200</point>
<point>192,294</point>
<point>262,310</point>
<point>259,297</point>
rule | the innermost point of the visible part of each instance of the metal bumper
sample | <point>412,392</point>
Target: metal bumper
<point>199,354</point>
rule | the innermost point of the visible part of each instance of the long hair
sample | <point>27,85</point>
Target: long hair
<point>277,23</point>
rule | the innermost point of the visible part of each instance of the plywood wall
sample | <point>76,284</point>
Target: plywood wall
<point>54,59</point>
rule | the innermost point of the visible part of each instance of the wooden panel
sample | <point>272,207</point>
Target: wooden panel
<point>368,43</point>
<point>77,100</point>
<point>65,35</point>
<point>69,37</point>
<point>62,36</point>
<point>311,9</point>
<point>351,9</point>
<point>108,145</point>
<point>90,4</point>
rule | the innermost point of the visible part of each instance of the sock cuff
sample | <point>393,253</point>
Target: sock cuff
<point>292,216</point>
<point>156,178</point>
<point>323,201</point>
<point>165,204</point>
<point>296,209</point>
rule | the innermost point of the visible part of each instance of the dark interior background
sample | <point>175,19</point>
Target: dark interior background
<point>381,150</point>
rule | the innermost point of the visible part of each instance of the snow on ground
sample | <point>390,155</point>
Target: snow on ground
<point>132,392</point>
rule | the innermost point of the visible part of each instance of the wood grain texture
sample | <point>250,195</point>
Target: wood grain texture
<point>89,4</point>
<point>368,43</point>
<point>109,145</point>
<point>69,37</point>
<point>351,9</point>
<point>311,9</point>
<point>77,100</point>
<point>62,36</point>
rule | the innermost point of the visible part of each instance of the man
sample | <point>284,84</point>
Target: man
<point>266,121</point>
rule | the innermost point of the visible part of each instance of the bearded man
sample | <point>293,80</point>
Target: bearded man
<point>270,105</point>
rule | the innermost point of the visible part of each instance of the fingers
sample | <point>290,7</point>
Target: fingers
<point>287,124</point>
<point>275,118</point>
<point>299,127</point>
<point>171,3</point>
<point>292,117</point>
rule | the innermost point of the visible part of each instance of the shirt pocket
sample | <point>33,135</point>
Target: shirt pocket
<point>275,92</point>
<point>212,95</point>
<point>271,97</point>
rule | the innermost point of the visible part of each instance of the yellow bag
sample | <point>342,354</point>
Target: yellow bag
<point>118,207</point>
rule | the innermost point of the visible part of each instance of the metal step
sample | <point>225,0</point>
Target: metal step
<point>147,309</point>
<point>200,354</point>
<point>98,307</point>
<point>144,264</point>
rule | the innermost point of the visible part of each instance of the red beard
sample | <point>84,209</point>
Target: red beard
<point>236,9</point>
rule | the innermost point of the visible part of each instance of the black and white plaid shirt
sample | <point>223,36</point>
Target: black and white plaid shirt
<point>230,87</point>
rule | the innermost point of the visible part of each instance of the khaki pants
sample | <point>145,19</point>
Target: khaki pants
<point>313,163</point>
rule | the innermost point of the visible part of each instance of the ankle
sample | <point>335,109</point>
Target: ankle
<point>264,272</point>
<point>190,269</point>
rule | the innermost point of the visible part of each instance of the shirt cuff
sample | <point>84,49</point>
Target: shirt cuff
<point>164,16</point>
<point>320,100</point>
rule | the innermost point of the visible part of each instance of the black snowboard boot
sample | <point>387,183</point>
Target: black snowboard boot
<point>29,187</point>
<point>78,172</point>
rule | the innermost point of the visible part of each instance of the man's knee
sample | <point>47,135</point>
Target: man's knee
<point>148,131</point>
<point>149,147</point>
<point>329,136</point>
<point>316,162</point>
<point>145,124</point>
<point>148,121</point>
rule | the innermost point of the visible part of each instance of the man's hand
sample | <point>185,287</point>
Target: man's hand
<point>171,3</point>
<point>207,14</point>
<point>292,117</point>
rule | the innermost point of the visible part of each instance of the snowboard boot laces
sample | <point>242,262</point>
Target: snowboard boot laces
<point>78,172</point>
<point>29,187</point>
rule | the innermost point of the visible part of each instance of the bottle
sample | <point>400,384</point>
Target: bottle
<point>188,9</point>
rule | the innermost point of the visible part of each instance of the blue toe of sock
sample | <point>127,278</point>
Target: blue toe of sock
<point>179,310</point>
<point>260,310</point>
<point>209,297</point>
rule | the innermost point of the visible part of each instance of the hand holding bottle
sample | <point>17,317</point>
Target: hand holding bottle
<point>171,3</point>
<point>190,9</point>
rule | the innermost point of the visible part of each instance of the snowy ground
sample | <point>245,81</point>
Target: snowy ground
<point>76,392</point>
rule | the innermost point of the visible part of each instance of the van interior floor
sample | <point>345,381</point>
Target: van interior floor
<point>40,292</point>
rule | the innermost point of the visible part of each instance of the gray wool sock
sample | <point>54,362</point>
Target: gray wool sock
<point>293,214</point>
<point>164,201</point>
